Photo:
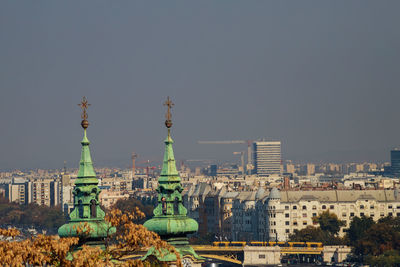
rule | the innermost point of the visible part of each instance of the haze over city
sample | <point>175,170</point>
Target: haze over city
<point>322,77</point>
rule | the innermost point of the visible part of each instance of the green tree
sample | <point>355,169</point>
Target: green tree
<point>389,258</point>
<point>308,234</point>
<point>393,221</point>
<point>378,243</point>
<point>40,217</point>
<point>357,229</point>
<point>377,239</point>
<point>315,234</point>
<point>129,204</point>
<point>329,222</point>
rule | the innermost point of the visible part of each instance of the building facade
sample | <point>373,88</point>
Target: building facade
<point>267,157</point>
<point>281,213</point>
<point>39,191</point>
<point>395,162</point>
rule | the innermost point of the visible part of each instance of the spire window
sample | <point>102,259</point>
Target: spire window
<point>80,209</point>
<point>93,210</point>
<point>176,206</point>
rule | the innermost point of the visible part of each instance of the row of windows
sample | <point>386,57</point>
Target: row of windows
<point>304,215</point>
<point>352,214</point>
<point>313,207</point>
<point>333,207</point>
<point>295,223</point>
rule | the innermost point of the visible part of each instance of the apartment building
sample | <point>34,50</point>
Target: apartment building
<point>41,191</point>
<point>267,157</point>
<point>226,205</point>
<point>276,215</point>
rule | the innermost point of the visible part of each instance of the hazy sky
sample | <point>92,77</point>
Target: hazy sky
<point>321,76</point>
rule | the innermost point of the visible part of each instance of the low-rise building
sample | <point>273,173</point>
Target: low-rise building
<point>108,198</point>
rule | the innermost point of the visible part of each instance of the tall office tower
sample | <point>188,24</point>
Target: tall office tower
<point>395,161</point>
<point>267,157</point>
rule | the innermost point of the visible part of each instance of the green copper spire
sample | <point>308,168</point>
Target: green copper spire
<point>170,220</point>
<point>169,171</point>
<point>86,165</point>
<point>86,196</point>
<point>86,170</point>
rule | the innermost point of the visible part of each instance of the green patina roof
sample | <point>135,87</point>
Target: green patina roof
<point>164,255</point>
<point>169,171</point>
<point>170,220</point>
<point>172,225</point>
<point>86,173</point>
<point>96,229</point>
<point>86,191</point>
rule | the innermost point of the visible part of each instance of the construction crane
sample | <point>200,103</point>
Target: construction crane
<point>231,142</point>
<point>148,167</point>
<point>241,153</point>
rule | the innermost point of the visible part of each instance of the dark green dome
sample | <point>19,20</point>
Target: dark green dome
<point>169,226</point>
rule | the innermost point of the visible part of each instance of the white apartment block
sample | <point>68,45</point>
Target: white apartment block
<point>17,192</point>
<point>276,215</point>
<point>267,157</point>
<point>40,191</point>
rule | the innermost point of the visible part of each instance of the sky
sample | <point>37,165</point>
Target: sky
<point>321,76</point>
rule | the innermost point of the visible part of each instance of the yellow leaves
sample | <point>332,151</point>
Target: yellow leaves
<point>53,250</point>
<point>89,256</point>
<point>83,229</point>
<point>133,237</point>
<point>38,251</point>
<point>116,217</point>
<point>12,232</point>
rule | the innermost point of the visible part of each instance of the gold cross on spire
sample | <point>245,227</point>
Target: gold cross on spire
<point>84,105</point>
<point>169,105</point>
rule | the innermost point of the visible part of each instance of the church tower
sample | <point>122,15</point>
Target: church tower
<point>170,219</point>
<point>87,214</point>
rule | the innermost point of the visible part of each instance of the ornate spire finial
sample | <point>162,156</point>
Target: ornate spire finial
<point>84,105</point>
<point>169,104</point>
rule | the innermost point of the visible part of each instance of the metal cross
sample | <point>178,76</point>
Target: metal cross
<point>169,104</point>
<point>84,105</point>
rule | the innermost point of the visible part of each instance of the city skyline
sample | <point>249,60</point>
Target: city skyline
<point>320,77</point>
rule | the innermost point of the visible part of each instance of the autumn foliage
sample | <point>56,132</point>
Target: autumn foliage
<point>118,250</point>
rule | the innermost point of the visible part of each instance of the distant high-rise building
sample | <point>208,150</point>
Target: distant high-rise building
<point>290,168</point>
<point>310,169</point>
<point>213,170</point>
<point>360,167</point>
<point>395,161</point>
<point>267,157</point>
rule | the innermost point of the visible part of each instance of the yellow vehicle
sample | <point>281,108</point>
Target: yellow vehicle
<point>258,243</point>
<point>267,243</point>
<point>221,244</point>
<point>314,244</point>
<point>297,244</point>
<point>238,243</point>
